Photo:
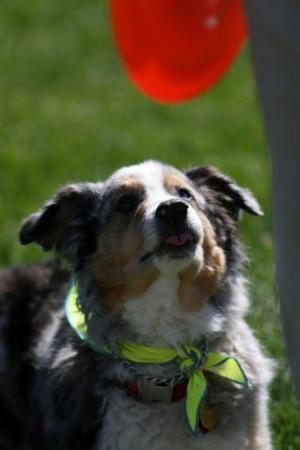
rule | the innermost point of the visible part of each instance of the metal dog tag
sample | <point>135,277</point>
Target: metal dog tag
<point>151,392</point>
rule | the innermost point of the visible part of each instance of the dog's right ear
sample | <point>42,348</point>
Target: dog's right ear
<point>229,194</point>
<point>67,223</point>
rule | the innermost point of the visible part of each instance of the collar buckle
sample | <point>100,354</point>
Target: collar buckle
<point>151,392</point>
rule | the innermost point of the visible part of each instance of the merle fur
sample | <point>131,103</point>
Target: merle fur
<point>49,406</point>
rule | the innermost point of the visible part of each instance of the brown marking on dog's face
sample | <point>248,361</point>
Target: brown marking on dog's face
<point>198,283</point>
<point>116,265</point>
<point>131,185</point>
<point>201,279</point>
<point>173,182</point>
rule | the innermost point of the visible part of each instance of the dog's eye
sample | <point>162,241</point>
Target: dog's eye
<point>128,203</point>
<point>184,193</point>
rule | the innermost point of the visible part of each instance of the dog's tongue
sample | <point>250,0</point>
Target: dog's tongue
<point>179,239</point>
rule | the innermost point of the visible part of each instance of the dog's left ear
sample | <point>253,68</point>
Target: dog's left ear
<point>228,193</point>
<point>67,223</point>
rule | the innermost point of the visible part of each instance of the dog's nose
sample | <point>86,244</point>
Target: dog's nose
<point>172,212</point>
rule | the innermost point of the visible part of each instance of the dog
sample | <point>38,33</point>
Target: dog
<point>152,258</point>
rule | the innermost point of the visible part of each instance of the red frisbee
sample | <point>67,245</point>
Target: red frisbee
<point>175,49</point>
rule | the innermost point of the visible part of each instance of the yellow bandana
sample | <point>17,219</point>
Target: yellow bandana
<point>197,389</point>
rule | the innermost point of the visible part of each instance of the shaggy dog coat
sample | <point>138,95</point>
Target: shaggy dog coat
<point>155,255</point>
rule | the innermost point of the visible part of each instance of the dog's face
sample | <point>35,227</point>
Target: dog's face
<point>159,211</point>
<point>145,222</point>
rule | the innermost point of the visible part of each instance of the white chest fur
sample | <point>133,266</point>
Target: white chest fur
<point>159,320</point>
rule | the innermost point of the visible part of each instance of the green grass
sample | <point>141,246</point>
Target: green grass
<point>68,113</point>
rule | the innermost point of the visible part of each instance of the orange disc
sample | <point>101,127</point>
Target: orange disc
<point>176,49</point>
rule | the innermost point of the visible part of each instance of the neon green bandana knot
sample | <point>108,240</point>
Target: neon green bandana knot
<point>192,362</point>
<point>197,388</point>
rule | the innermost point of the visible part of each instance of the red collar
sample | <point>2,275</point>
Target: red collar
<point>150,393</point>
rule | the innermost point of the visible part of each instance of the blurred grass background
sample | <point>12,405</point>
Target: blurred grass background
<point>68,113</point>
